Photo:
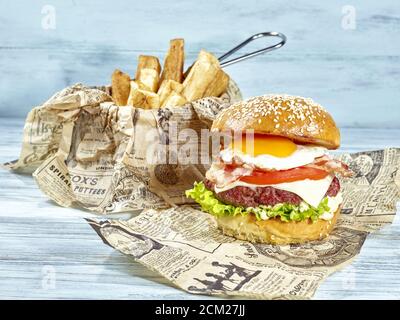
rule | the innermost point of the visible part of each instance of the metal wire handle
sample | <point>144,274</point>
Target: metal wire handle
<point>254,53</point>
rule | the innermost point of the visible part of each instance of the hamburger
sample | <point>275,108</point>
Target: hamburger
<point>284,188</point>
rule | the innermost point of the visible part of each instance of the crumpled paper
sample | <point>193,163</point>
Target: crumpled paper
<point>85,151</point>
<point>184,245</point>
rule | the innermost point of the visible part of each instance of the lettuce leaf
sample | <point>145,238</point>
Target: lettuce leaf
<point>285,211</point>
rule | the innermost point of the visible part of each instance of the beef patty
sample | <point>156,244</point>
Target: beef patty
<point>248,197</point>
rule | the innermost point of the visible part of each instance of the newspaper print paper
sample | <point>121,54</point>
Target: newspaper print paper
<point>184,245</point>
<point>84,151</point>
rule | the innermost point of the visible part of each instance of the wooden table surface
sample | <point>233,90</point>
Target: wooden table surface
<point>50,252</point>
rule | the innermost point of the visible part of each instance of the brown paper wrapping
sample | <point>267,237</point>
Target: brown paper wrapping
<point>85,151</point>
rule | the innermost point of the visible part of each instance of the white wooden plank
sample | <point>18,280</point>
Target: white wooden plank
<point>35,234</point>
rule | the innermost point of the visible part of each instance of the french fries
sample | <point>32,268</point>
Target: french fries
<point>203,77</point>
<point>142,98</point>
<point>120,87</point>
<point>173,64</point>
<point>152,88</point>
<point>174,100</point>
<point>167,87</point>
<point>137,84</point>
<point>148,72</point>
<point>218,85</point>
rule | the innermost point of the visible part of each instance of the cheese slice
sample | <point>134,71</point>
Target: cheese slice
<point>311,191</point>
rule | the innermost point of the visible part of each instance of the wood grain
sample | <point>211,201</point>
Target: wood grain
<point>37,236</point>
<point>351,72</point>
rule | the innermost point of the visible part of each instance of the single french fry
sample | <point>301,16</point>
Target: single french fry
<point>148,72</point>
<point>152,100</point>
<point>147,62</point>
<point>174,60</point>
<point>120,87</point>
<point>150,78</point>
<point>174,100</point>
<point>218,85</point>
<point>143,98</point>
<point>138,85</point>
<point>167,87</point>
<point>200,76</point>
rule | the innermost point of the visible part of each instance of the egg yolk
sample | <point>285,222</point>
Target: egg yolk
<point>264,144</point>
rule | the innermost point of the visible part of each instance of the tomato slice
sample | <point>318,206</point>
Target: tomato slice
<point>281,176</point>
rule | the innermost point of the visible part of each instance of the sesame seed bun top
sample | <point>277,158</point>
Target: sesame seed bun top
<point>297,118</point>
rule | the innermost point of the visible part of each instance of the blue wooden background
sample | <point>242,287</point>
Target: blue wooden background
<point>355,73</point>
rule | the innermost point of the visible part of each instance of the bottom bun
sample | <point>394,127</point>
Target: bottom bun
<point>275,231</point>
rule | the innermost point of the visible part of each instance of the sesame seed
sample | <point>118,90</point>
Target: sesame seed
<point>272,106</point>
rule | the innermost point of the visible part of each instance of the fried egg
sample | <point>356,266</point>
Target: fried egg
<point>271,153</point>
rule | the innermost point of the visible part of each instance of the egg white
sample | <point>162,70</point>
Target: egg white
<point>304,154</point>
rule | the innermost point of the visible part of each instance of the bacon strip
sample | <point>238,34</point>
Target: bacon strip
<point>332,166</point>
<point>223,174</point>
